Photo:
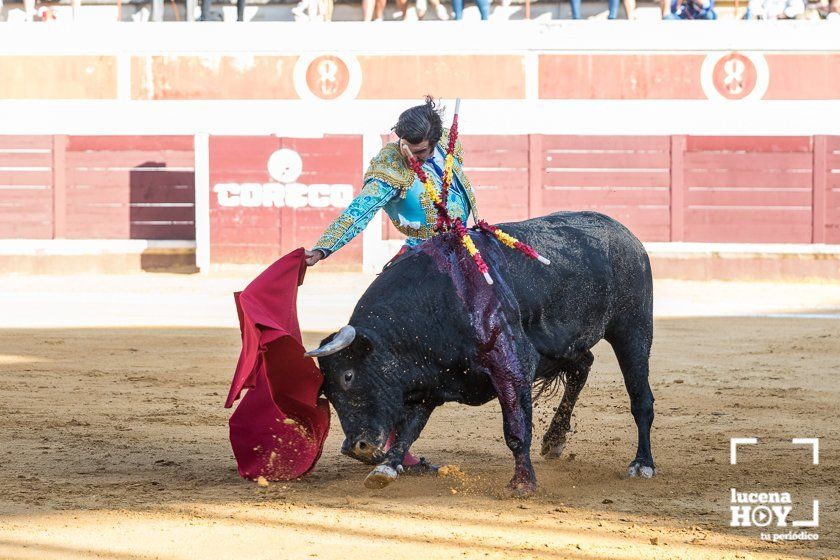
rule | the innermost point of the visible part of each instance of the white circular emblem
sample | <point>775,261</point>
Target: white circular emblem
<point>734,76</point>
<point>285,166</point>
<point>322,76</point>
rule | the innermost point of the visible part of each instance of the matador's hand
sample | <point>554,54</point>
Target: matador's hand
<point>313,256</point>
<point>405,151</point>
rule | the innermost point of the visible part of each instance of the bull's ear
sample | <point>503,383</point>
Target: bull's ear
<point>362,344</point>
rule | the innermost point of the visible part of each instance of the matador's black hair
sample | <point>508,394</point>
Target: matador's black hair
<point>422,122</point>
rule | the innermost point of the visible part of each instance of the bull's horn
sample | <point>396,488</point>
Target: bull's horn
<point>342,339</point>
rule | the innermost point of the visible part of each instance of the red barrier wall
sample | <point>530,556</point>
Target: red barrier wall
<point>26,187</point>
<point>625,177</point>
<point>664,188</point>
<point>97,187</point>
<point>827,191</point>
<point>747,189</point>
<point>127,187</point>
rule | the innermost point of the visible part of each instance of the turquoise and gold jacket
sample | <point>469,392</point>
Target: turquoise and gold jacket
<point>390,184</point>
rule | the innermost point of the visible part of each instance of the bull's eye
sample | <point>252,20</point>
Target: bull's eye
<point>347,378</point>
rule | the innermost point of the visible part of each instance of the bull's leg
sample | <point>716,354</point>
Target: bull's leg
<point>512,371</point>
<point>554,439</point>
<point>407,432</point>
<point>633,351</point>
<point>515,400</point>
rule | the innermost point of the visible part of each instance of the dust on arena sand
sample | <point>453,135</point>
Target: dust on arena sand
<point>113,444</point>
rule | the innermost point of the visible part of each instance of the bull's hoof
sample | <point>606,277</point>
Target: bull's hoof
<point>380,477</point>
<point>421,468</point>
<point>637,469</point>
<point>521,488</point>
<point>554,442</point>
<point>552,450</point>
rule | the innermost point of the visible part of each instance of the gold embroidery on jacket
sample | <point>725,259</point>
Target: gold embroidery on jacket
<point>335,231</point>
<point>390,167</point>
<point>423,232</point>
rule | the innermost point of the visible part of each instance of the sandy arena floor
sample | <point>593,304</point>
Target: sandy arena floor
<point>113,440</point>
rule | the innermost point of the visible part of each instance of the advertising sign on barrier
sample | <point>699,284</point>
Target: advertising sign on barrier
<point>269,195</point>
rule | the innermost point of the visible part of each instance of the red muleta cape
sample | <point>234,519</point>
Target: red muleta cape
<point>278,429</point>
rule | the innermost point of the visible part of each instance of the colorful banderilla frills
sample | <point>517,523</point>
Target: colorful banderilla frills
<point>510,241</point>
<point>445,222</point>
<point>449,161</point>
<point>468,244</point>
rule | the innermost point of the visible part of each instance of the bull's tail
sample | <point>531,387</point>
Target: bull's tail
<point>551,376</point>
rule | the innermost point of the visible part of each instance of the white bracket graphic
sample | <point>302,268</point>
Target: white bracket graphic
<point>815,517</point>
<point>815,445</point>
<point>733,447</point>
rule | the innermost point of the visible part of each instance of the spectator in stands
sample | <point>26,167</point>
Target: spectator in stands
<point>824,9</point>
<point>422,7</point>
<point>372,10</point>
<point>313,10</point>
<point>483,8</point>
<point>775,9</point>
<point>692,9</point>
<point>46,13</point>
<point>629,7</point>
<point>440,10</point>
<point>208,15</point>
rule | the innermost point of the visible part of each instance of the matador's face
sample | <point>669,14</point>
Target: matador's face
<point>422,150</point>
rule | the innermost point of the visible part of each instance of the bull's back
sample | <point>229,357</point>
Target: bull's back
<point>598,269</point>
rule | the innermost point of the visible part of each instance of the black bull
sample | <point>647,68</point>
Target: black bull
<point>430,330</point>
